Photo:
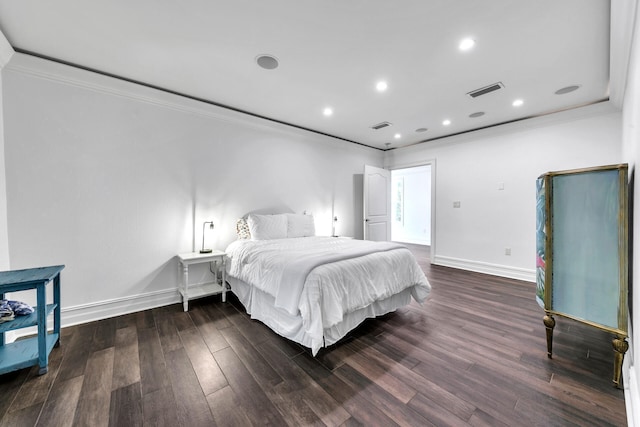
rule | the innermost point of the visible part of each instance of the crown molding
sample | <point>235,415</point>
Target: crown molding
<point>623,14</point>
<point>6,51</point>
<point>49,69</point>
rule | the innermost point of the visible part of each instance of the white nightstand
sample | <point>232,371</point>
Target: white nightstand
<point>198,290</point>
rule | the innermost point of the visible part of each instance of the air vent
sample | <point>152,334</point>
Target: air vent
<point>381,125</point>
<point>485,90</point>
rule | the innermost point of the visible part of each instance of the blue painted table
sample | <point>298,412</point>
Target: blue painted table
<point>31,351</point>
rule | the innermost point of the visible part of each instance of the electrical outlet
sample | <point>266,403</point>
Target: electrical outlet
<point>456,204</point>
<point>507,251</point>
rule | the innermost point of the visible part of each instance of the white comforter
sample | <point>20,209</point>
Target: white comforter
<point>353,275</point>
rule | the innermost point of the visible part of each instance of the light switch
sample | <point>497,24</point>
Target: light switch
<point>456,204</point>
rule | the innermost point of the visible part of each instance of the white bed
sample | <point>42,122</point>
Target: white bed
<point>314,290</point>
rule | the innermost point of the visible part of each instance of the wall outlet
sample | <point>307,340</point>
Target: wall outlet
<point>456,204</point>
<point>507,251</point>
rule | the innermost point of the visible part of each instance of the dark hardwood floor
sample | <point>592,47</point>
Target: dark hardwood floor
<point>473,355</point>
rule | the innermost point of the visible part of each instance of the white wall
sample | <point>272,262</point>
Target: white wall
<point>4,237</point>
<point>631,150</point>
<point>6,52</point>
<point>113,179</point>
<point>471,168</point>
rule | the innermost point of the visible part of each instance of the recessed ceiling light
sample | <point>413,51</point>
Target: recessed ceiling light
<point>446,122</point>
<point>567,89</point>
<point>466,44</point>
<point>477,114</point>
<point>268,62</point>
<point>422,130</point>
<point>381,86</point>
<point>397,136</point>
<point>517,102</point>
<point>328,111</point>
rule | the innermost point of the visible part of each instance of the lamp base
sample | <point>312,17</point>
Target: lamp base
<point>206,251</point>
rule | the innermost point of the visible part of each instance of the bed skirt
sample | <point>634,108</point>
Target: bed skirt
<point>260,306</point>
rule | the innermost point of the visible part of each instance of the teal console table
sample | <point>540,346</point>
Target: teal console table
<point>31,351</point>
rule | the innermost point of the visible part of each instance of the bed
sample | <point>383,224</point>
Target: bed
<point>313,290</point>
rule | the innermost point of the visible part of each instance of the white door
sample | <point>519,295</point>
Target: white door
<point>377,203</point>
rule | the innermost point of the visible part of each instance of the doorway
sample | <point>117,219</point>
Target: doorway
<point>411,205</point>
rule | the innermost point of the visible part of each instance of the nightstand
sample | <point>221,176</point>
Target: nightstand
<point>197,290</point>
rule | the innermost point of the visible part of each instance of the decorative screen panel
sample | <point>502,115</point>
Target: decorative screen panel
<point>586,259</point>
<point>581,245</point>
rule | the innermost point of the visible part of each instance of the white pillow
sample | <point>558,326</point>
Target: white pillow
<point>267,227</point>
<point>300,225</point>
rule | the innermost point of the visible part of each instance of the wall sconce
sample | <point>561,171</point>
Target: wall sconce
<point>203,250</point>
<point>333,226</point>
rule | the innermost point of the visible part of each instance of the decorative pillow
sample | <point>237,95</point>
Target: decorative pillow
<point>242,229</point>
<point>267,227</point>
<point>300,225</point>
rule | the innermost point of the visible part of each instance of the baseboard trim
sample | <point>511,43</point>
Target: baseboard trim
<point>85,313</point>
<point>631,392</point>
<point>118,306</point>
<point>487,268</point>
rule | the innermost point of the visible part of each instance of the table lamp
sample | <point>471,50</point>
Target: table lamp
<point>203,250</point>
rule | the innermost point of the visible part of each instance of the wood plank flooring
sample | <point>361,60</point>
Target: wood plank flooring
<point>473,355</point>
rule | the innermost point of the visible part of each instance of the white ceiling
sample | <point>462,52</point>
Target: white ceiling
<point>332,53</point>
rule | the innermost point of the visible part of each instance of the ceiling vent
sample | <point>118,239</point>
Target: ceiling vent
<point>381,125</point>
<point>485,90</point>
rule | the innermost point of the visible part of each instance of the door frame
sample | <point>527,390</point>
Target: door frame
<point>432,163</point>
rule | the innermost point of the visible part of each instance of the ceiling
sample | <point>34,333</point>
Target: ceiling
<point>332,53</point>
